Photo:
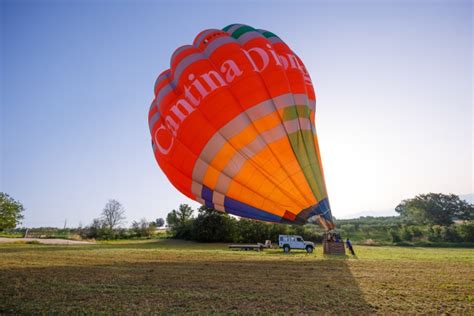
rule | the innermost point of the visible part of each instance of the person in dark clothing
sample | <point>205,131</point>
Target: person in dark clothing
<point>349,246</point>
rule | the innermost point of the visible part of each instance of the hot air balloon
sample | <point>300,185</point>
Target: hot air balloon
<point>233,127</point>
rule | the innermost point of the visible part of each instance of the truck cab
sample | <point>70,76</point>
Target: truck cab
<point>288,242</point>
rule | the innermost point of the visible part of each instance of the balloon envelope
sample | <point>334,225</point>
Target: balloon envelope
<point>232,126</point>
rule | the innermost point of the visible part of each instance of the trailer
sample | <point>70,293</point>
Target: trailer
<point>258,246</point>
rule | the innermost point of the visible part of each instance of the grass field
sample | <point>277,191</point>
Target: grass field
<point>177,277</point>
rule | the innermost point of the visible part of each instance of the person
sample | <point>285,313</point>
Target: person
<point>349,246</point>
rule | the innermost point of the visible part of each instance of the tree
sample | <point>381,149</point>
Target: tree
<point>143,228</point>
<point>434,233</point>
<point>466,232</point>
<point>394,235</point>
<point>406,234</point>
<point>10,212</point>
<point>435,209</point>
<point>450,234</point>
<point>180,222</point>
<point>252,231</point>
<point>160,222</point>
<point>213,226</point>
<point>180,216</point>
<point>113,214</point>
<point>95,230</point>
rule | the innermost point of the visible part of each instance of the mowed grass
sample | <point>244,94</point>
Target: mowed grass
<point>176,277</point>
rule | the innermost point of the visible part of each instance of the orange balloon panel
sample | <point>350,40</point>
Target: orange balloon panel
<point>232,127</point>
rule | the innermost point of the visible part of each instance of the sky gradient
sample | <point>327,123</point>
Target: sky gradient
<point>393,80</point>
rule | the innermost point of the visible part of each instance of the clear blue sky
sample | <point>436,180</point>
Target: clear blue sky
<point>393,78</point>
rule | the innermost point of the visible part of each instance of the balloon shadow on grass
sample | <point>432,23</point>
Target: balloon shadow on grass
<point>240,284</point>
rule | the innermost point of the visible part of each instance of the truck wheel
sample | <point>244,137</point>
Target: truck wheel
<point>309,249</point>
<point>286,248</point>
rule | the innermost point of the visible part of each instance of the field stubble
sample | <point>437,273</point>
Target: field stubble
<point>178,277</point>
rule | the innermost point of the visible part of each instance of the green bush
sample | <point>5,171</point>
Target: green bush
<point>416,232</point>
<point>434,233</point>
<point>142,229</point>
<point>394,235</point>
<point>406,234</point>
<point>249,231</point>
<point>348,228</point>
<point>466,232</point>
<point>213,226</point>
<point>450,234</point>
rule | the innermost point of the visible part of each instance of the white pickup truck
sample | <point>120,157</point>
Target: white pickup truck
<point>288,242</point>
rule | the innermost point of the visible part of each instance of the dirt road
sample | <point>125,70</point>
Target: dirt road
<point>49,241</point>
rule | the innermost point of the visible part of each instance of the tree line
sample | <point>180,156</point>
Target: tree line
<point>213,226</point>
<point>432,217</point>
<point>109,225</point>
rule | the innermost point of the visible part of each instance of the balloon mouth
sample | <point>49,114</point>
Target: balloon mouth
<point>319,213</point>
<point>318,219</point>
